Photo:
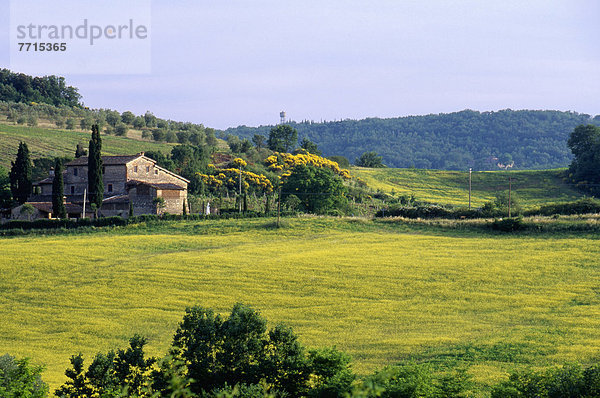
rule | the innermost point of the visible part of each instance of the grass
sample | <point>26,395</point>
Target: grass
<point>384,292</point>
<point>533,187</point>
<point>45,142</point>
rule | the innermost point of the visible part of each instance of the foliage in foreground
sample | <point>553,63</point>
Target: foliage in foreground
<point>19,378</point>
<point>570,381</point>
<point>212,356</point>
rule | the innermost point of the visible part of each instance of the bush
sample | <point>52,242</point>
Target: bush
<point>570,381</point>
<point>428,211</point>
<point>18,378</point>
<point>415,380</point>
<point>581,206</point>
<point>508,224</point>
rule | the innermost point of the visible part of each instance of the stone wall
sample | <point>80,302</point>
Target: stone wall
<point>114,178</point>
<point>174,200</point>
<point>144,169</point>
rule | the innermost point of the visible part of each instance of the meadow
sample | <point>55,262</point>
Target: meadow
<point>532,187</point>
<point>48,142</point>
<point>383,291</point>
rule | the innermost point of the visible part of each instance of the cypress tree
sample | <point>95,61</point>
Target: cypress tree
<point>58,207</point>
<point>79,151</point>
<point>95,183</point>
<point>20,175</point>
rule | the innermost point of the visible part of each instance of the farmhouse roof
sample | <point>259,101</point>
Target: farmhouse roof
<point>108,160</point>
<point>47,180</point>
<point>117,199</point>
<point>158,185</point>
<point>47,207</point>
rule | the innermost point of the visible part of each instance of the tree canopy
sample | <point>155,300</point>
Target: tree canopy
<point>18,87</point>
<point>453,141</point>
<point>320,191</point>
<point>58,206</point>
<point>95,181</point>
<point>584,142</point>
<point>282,138</point>
<point>20,175</point>
<point>369,159</point>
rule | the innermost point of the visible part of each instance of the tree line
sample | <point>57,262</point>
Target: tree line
<point>525,139</point>
<point>19,87</point>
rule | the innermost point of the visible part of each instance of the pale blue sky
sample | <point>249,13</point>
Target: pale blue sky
<point>227,63</point>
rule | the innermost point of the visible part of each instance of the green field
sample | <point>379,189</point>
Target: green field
<point>44,142</point>
<point>382,291</point>
<point>533,187</point>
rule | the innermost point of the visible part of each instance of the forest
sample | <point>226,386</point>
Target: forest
<point>523,139</point>
<point>19,87</point>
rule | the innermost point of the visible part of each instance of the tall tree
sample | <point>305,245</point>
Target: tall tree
<point>282,138</point>
<point>20,175</point>
<point>310,147</point>
<point>95,183</point>
<point>5,196</point>
<point>319,189</point>
<point>58,206</point>
<point>584,142</point>
<point>259,141</point>
<point>369,159</point>
<point>80,151</point>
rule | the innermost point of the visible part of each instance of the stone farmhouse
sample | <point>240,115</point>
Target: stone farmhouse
<point>134,180</point>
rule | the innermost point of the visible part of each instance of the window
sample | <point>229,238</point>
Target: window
<point>147,169</point>
<point>103,170</point>
<point>109,188</point>
<point>72,189</point>
<point>75,171</point>
<point>135,169</point>
<point>156,171</point>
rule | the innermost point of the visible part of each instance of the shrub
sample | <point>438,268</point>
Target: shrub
<point>428,211</point>
<point>508,224</point>
<point>581,206</point>
<point>18,378</point>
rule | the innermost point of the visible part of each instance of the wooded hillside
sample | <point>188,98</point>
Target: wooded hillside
<point>454,141</point>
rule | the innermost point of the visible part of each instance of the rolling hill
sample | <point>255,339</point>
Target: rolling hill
<point>455,141</point>
<point>50,142</point>
<point>533,188</point>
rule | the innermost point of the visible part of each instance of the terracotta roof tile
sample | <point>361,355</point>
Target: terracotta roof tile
<point>158,185</point>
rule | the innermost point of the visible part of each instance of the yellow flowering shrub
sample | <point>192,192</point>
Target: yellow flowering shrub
<point>285,161</point>
<point>230,179</point>
<point>239,162</point>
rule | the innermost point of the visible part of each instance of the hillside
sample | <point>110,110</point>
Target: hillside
<point>532,187</point>
<point>454,141</point>
<point>50,142</point>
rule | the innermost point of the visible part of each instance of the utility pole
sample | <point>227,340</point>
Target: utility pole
<point>84,198</point>
<point>509,194</point>
<point>240,195</point>
<point>470,169</point>
<point>279,206</point>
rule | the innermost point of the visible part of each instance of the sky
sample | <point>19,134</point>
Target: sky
<point>228,63</point>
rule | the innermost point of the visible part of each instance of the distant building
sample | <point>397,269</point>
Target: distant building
<point>134,180</point>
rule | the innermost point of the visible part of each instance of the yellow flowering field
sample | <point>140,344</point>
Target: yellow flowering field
<point>533,188</point>
<point>383,292</point>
